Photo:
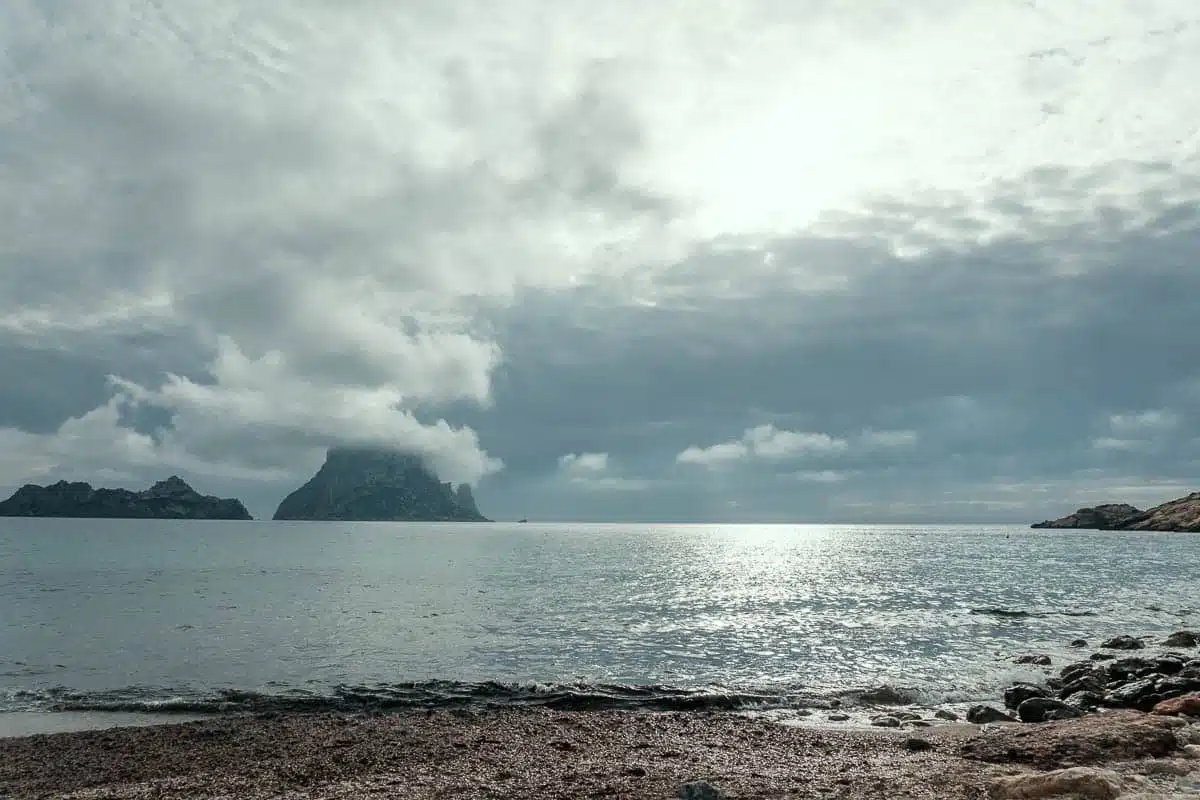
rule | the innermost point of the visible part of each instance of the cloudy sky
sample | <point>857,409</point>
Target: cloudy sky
<point>713,260</point>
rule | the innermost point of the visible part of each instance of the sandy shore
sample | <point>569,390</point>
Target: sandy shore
<point>542,754</point>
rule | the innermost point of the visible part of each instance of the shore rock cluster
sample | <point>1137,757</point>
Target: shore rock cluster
<point>1165,683</point>
<point>1180,515</point>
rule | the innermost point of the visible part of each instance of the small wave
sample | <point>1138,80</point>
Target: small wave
<point>1017,613</point>
<point>456,695</point>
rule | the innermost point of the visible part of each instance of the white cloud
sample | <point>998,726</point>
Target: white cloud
<point>583,464</point>
<point>1152,421</point>
<point>767,441</point>
<point>715,455</point>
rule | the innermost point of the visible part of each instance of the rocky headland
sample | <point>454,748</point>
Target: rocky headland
<point>371,484</point>
<point>169,499</point>
<point>1177,516</point>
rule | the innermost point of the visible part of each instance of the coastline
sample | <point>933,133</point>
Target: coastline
<point>537,753</point>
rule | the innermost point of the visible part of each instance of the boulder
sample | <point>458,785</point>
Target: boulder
<point>1034,660</point>
<point>982,715</point>
<point>1187,705</point>
<point>1046,709</point>
<point>1020,692</point>
<point>1079,643</point>
<point>1123,643</point>
<point>1087,701</point>
<point>1087,683</point>
<point>947,715</point>
<point>885,722</point>
<point>1073,672</point>
<point>1182,639</point>
<point>1132,695</point>
<point>1085,783</point>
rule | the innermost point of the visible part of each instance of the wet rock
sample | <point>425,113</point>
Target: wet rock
<point>885,722</point>
<point>947,715</point>
<point>917,745</point>
<point>1123,643</point>
<point>1132,694</point>
<point>982,715</point>
<point>700,790</point>
<point>1073,672</point>
<point>1079,643</point>
<point>1086,701</point>
<point>1188,704</point>
<point>1035,660</point>
<point>1177,686</point>
<point>1020,692</point>
<point>887,696</point>
<point>1046,709</point>
<point>1091,683</point>
<point>919,723</point>
<point>1183,639</point>
<point>1102,657</point>
<point>1080,782</point>
<point>838,718</point>
<point>1125,668</point>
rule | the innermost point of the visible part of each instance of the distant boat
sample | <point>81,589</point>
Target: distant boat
<point>522,520</point>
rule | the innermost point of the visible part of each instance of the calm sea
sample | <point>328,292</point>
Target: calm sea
<point>218,616</point>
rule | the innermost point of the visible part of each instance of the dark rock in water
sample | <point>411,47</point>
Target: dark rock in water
<point>886,696</point>
<point>1107,517</point>
<point>1018,693</point>
<point>1045,709</point>
<point>1123,643</point>
<point>947,715</point>
<point>1132,694</point>
<point>376,484</point>
<point>1102,656</point>
<point>1004,612</point>
<point>1087,701</point>
<point>1177,685</point>
<point>1035,660</point>
<point>982,715</point>
<point>885,722</point>
<point>1183,639</point>
<point>1079,643</point>
<point>169,499</point>
<point>917,745</point>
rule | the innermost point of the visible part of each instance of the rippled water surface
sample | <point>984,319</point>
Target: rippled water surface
<point>96,609</point>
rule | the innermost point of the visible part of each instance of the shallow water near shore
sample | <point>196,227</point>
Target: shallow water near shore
<point>176,617</point>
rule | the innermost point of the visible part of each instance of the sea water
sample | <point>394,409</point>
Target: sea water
<point>201,617</point>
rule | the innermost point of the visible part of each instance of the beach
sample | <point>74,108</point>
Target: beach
<point>539,754</point>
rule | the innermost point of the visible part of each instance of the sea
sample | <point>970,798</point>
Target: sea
<point>145,620</point>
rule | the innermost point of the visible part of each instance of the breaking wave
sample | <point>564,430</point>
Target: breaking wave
<point>451,695</point>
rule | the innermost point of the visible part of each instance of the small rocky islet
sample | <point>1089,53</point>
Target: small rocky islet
<point>172,498</point>
<point>353,484</point>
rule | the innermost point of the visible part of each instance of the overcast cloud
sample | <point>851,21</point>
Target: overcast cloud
<point>846,260</point>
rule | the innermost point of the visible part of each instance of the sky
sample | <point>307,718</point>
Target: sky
<point>711,260</point>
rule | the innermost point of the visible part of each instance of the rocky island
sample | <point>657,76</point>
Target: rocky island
<point>169,499</point>
<point>371,484</point>
<point>1181,515</point>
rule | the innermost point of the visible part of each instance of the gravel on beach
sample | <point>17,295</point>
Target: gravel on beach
<point>536,754</point>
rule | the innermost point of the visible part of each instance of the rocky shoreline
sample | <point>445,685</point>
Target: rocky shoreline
<point>536,754</point>
<point>1123,722</point>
